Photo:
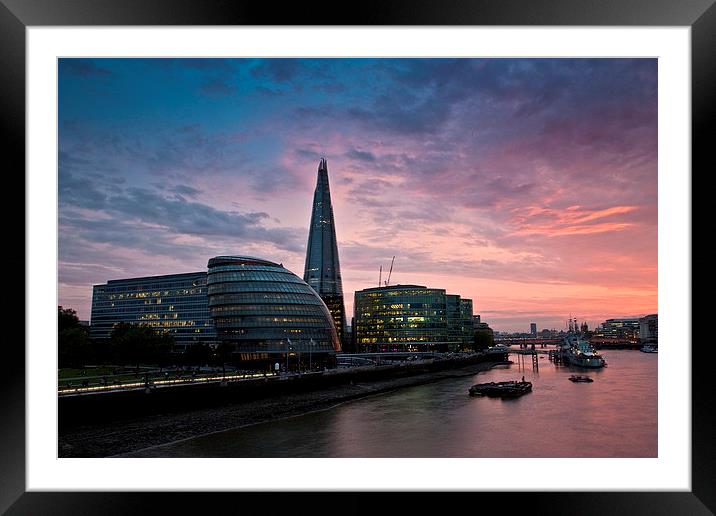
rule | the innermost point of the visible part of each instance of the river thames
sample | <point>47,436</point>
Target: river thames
<point>615,416</point>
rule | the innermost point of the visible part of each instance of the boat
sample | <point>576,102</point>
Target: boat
<point>578,352</point>
<point>649,349</point>
<point>498,349</point>
<point>580,379</point>
<point>511,389</point>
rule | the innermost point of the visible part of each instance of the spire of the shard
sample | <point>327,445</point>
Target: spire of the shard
<point>323,271</point>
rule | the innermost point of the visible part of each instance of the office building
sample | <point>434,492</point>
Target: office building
<point>467,326</point>
<point>649,330</point>
<point>410,318</point>
<point>174,304</point>
<point>322,270</point>
<point>622,329</point>
<point>454,321</point>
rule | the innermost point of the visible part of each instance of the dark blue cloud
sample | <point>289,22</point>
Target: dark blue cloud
<point>308,154</point>
<point>207,64</point>
<point>219,87</point>
<point>81,67</point>
<point>173,213</point>
<point>279,70</point>
<point>360,155</point>
<point>419,96</point>
<point>186,190</point>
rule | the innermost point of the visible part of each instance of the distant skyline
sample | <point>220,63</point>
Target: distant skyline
<point>528,185</point>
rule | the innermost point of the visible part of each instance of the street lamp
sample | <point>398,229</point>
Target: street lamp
<point>288,341</point>
<point>310,350</point>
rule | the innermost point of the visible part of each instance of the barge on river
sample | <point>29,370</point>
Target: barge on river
<point>501,389</point>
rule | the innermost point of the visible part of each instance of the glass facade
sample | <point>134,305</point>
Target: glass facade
<point>467,326</point>
<point>411,318</point>
<point>264,308</point>
<point>454,321</point>
<point>322,270</point>
<point>175,304</point>
<point>649,330</point>
<point>620,328</point>
<point>400,318</point>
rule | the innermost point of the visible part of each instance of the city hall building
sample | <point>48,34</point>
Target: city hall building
<point>267,311</point>
<point>411,318</point>
<point>263,309</point>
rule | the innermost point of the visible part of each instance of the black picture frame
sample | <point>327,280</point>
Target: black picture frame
<point>17,15</point>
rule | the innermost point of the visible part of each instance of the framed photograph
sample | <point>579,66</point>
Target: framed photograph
<point>425,248</point>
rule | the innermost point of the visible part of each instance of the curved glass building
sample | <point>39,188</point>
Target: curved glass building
<point>265,309</point>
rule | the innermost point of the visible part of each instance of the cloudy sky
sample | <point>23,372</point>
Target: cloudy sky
<point>528,185</point>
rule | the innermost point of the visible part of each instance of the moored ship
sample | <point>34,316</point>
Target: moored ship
<point>499,350</point>
<point>577,352</point>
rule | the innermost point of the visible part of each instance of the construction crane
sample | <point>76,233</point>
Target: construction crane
<point>387,282</point>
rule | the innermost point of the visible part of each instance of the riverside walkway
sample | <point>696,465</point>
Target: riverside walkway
<point>161,378</point>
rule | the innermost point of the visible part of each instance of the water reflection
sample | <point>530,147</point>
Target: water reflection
<point>615,416</point>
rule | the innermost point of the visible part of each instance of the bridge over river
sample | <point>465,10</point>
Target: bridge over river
<point>387,357</point>
<point>522,341</point>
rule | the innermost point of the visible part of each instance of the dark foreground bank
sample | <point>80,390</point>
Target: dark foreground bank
<point>118,436</point>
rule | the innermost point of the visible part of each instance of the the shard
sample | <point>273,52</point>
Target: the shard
<point>323,271</point>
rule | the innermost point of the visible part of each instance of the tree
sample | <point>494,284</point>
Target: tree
<point>139,343</point>
<point>484,338</point>
<point>223,352</point>
<point>66,318</point>
<point>74,347</point>
<point>197,354</point>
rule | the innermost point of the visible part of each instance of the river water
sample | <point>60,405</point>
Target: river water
<point>615,416</point>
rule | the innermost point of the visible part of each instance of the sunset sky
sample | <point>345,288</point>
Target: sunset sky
<point>528,185</point>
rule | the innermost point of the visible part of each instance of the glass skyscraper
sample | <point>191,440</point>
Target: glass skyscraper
<point>323,270</point>
<point>175,304</point>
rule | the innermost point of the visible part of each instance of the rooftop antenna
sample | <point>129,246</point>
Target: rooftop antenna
<point>387,282</point>
<point>380,276</point>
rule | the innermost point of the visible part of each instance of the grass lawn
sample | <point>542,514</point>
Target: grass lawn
<point>94,375</point>
<point>70,372</point>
